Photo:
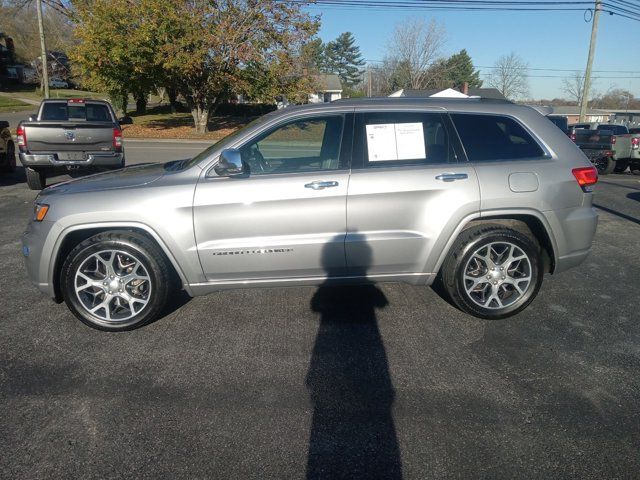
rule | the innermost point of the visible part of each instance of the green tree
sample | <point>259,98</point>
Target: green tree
<point>218,47</point>
<point>312,56</point>
<point>343,58</point>
<point>117,48</point>
<point>459,69</point>
<point>207,51</point>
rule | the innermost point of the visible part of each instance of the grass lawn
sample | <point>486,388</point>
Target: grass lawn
<point>159,122</point>
<point>13,105</point>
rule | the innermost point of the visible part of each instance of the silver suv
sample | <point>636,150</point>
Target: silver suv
<point>482,196</point>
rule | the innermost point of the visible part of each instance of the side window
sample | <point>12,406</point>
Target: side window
<point>386,139</point>
<point>306,145</point>
<point>493,137</point>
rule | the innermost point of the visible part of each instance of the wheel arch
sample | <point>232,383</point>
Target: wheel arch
<point>74,235</point>
<point>529,222</point>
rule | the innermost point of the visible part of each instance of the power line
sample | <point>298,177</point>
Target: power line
<point>616,7</point>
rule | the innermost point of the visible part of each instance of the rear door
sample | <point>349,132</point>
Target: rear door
<point>410,187</point>
<point>285,219</point>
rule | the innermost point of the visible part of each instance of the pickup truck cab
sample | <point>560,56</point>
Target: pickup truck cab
<point>69,135</point>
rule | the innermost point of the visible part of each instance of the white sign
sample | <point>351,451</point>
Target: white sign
<point>395,141</point>
<point>410,141</point>
<point>381,142</point>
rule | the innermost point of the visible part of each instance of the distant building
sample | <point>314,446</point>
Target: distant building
<point>450,93</point>
<point>328,88</point>
<point>572,114</point>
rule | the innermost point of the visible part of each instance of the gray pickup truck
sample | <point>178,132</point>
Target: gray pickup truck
<point>75,135</point>
<point>610,147</point>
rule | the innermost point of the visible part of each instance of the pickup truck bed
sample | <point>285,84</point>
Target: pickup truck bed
<point>70,135</point>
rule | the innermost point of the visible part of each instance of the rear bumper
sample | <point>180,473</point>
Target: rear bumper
<point>574,230</point>
<point>98,159</point>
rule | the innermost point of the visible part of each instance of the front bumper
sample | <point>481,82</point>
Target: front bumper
<point>37,246</point>
<point>96,159</point>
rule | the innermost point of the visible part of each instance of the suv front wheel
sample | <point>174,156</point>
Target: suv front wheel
<point>493,272</point>
<point>116,281</point>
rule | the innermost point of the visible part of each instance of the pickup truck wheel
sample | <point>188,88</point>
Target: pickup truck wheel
<point>116,281</point>
<point>621,166</point>
<point>493,272</point>
<point>605,165</point>
<point>36,179</point>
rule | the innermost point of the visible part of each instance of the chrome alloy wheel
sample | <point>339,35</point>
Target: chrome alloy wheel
<point>497,275</point>
<point>113,286</point>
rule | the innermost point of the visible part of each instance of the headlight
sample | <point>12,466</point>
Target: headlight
<point>40,211</point>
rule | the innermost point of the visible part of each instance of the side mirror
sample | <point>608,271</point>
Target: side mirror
<point>230,163</point>
<point>33,118</point>
<point>126,120</point>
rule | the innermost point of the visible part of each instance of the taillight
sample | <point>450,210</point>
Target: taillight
<point>21,136</point>
<point>635,143</point>
<point>613,140</point>
<point>573,137</point>
<point>586,177</point>
<point>117,138</point>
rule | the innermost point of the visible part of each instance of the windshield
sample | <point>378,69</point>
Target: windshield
<point>223,143</point>
<point>91,112</point>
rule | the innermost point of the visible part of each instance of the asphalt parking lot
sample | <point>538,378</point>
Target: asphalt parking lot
<point>388,382</point>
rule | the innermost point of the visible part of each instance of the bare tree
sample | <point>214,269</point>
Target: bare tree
<point>574,84</point>
<point>413,47</point>
<point>509,76</point>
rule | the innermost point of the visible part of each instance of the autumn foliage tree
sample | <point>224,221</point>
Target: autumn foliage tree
<point>207,50</point>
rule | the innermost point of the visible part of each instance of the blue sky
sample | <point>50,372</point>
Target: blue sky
<point>556,40</point>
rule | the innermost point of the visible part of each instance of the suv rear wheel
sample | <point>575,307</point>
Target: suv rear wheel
<point>493,272</point>
<point>116,281</point>
<point>36,179</point>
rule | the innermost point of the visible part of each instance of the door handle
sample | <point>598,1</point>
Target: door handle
<point>321,185</point>
<point>451,177</point>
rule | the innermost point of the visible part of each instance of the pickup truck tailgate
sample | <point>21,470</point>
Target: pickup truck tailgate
<point>48,137</point>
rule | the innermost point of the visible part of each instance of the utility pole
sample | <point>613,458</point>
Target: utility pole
<point>369,75</point>
<point>592,48</point>
<point>43,49</point>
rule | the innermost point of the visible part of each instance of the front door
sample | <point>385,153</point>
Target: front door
<point>286,217</point>
<point>410,187</point>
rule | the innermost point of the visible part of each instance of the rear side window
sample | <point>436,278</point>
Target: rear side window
<point>615,129</point>
<point>385,139</point>
<point>493,137</point>
<point>92,112</point>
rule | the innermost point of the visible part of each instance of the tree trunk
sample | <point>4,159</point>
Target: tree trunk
<point>200,117</point>
<point>124,102</point>
<point>141,104</point>
<point>173,96</point>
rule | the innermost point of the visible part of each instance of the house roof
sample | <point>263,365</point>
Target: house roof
<point>328,82</point>
<point>473,92</point>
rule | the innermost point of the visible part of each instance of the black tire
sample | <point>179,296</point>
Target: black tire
<point>635,167</point>
<point>621,166</point>
<point>459,260</point>
<point>127,243</point>
<point>605,165</point>
<point>36,179</point>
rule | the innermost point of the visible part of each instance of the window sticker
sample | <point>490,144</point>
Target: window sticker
<point>395,141</point>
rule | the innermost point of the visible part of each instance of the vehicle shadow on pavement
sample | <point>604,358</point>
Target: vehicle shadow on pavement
<point>618,214</point>
<point>14,178</point>
<point>353,433</point>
